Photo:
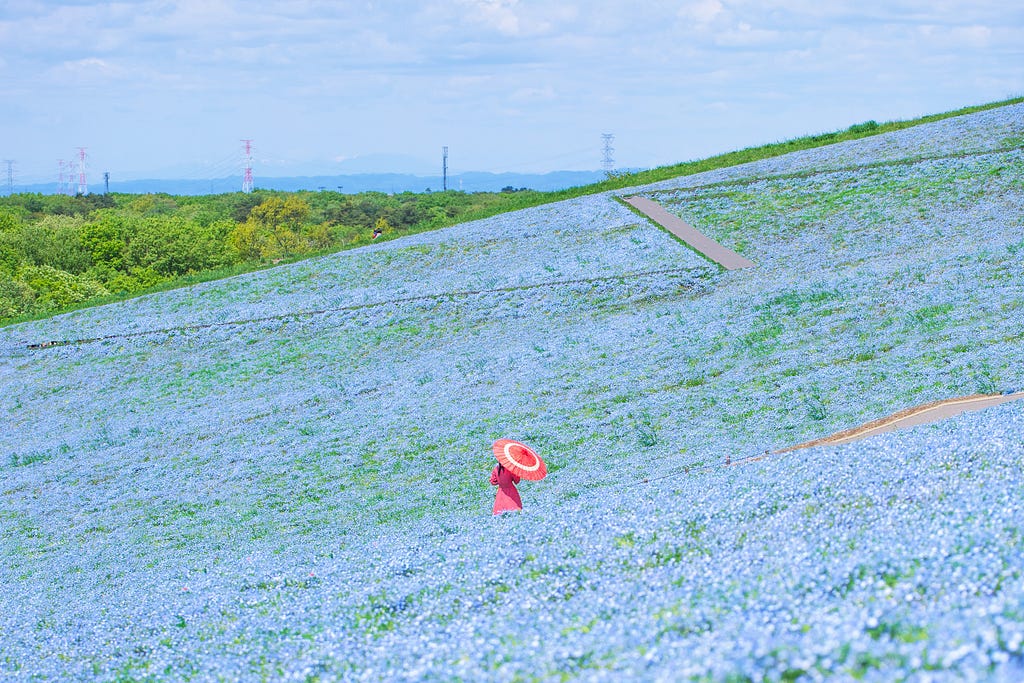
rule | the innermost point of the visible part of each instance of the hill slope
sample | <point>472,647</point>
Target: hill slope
<point>285,473</point>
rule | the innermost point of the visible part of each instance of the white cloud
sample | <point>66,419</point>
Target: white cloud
<point>746,35</point>
<point>87,71</point>
<point>461,82</point>
<point>496,15</point>
<point>528,95</point>
<point>702,12</point>
<point>515,19</point>
<point>975,36</point>
<point>951,37</point>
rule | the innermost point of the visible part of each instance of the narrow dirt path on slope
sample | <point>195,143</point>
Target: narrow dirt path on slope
<point>723,256</point>
<point>911,417</point>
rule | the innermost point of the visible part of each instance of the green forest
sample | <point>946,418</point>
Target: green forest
<point>58,252</point>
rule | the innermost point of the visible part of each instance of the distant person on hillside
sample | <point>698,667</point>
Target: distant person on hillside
<point>507,497</point>
<point>377,232</point>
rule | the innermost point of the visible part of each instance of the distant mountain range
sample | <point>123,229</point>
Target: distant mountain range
<point>350,184</point>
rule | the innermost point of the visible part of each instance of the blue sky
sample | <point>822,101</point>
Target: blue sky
<point>159,88</point>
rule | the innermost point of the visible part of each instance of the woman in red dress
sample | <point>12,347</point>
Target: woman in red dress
<point>507,497</point>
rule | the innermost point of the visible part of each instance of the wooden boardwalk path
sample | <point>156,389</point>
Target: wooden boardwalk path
<point>727,258</point>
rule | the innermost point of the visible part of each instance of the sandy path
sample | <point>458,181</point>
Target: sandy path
<point>727,258</point>
<point>918,415</point>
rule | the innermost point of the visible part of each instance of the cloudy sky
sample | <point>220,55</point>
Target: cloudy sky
<point>169,88</point>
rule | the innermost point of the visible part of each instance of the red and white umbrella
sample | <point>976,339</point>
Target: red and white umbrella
<point>520,459</point>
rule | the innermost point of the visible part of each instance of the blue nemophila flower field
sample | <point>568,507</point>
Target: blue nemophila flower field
<point>284,475</point>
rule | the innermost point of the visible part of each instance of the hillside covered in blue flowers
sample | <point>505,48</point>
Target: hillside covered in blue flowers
<point>284,475</point>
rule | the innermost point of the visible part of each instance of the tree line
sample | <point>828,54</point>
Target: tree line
<point>60,251</point>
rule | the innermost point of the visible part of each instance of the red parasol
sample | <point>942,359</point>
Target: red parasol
<point>519,459</point>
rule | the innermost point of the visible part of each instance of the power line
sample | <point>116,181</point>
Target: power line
<point>607,162</point>
<point>577,156</point>
<point>83,186</point>
<point>247,178</point>
<point>10,176</point>
<point>444,180</point>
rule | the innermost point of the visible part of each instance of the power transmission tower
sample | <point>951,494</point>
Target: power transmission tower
<point>247,173</point>
<point>444,178</point>
<point>60,176</point>
<point>106,182</point>
<point>10,176</point>
<point>83,187</point>
<point>607,162</point>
